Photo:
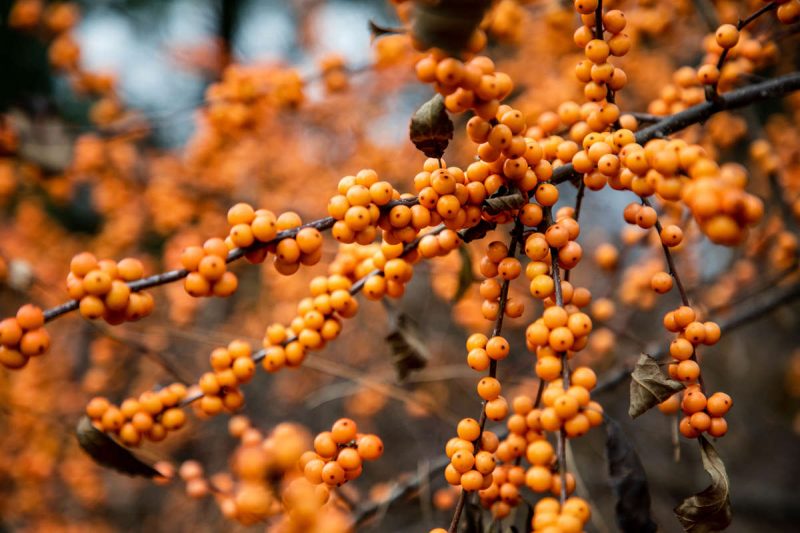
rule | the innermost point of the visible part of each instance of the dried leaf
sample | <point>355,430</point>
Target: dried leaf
<point>431,128</point>
<point>649,386</point>
<point>107,452</point>
<point>709,510</point>
<point>377,30</point>
<point>507,202</point>
<point>478,231</point>
<point>628,482</point>
<point>465,275</point>
<point>473,517</point>
<point>408,351</point>
<point>447,24</point>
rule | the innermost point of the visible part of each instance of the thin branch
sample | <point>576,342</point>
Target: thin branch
<point>743,313</point>
<point>711,89</point>
<point>516,236</point>
<point>578,205</point>
<point>668,255</point>
<point>774,88</point>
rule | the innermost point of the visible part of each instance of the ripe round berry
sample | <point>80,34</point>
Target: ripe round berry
<point>469,429</point>
<point>497,348</point>
<point>489,388</point>
<point>727,36</point>
<point>661,282</point>
<point>30,317</point>
<point>718,404</point>
<point>370,447</point>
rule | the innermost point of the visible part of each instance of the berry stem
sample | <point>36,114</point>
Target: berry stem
<point>668,255</point>
<point>516,237</point>
<point>711,90</point>
<point>561,436</point>
<point>757,92</point>
<point>578,204</point>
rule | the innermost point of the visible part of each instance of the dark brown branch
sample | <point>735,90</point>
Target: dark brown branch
<point>758,306</point>
<point>711,89</point>
<point>163,278</point>
<point>750,94</point>
<point>743,313</point>
<point>670,262</point>
<point>516,237</point>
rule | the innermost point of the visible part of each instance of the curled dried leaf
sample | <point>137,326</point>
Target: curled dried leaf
<point>107,452</point>
<point>431,128</point>
<point>447,24</point>
<point>465,275</point>
<point>408,351</point>
<point>628,482</point>
<point>649,386</point>
<point>507,202</point>
<point>709,510</point>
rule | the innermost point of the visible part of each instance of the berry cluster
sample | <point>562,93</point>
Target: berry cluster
<point>232,366</point>
<point>497,264</point>
<point>557,330</point>
<point>339,453</point>
<point>471,453</point>
<point>208,270</point>
<point>474,84</point>
<point>152,415</point>
<point>260,227</point>
<point>550,516</point>
<point>318,321</point>
<point>448,195</point>
<point>23,337</point>
<point>690,334</point>
<point>357,209</point>
<point>701,413</point>
<point>103,291</point>
<point>573,409</point>
<point>601,78</point>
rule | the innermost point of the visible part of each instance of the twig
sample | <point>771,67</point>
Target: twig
<point>668,255</point>
<point>516,236</point>
<point>578,204</point>
<point>757,92</point>
<point>742,314</point>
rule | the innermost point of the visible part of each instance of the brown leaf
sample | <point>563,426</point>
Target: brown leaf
<point>709,510</point>
<point>649,386</point>
<point>378,30</point>
<point>507,202</point>
<point>431,128</point>
<point>628,482</point>
<point>107,452</point>
<point>408,351</point>
<point>447,24</point>
<point>465,275</point>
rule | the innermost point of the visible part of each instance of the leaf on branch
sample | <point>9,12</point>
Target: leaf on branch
<point>107,452</point>
<point>628,482</point>
<point>478,231</point>
<point>507,202</point>
<point>377,30</point>
<point>474,517</point>
<point>431,128</point>
<point>709,510</point>
<point>649,386</point>
<point>465,275</point>
<point>408,351</point>
<point>447,24</point>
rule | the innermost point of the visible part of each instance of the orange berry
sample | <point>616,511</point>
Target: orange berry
<point>370,447</point>
<point>718,404</point>
<point>30,317</point>
<point>489,388</point>
<point>469,429</point>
